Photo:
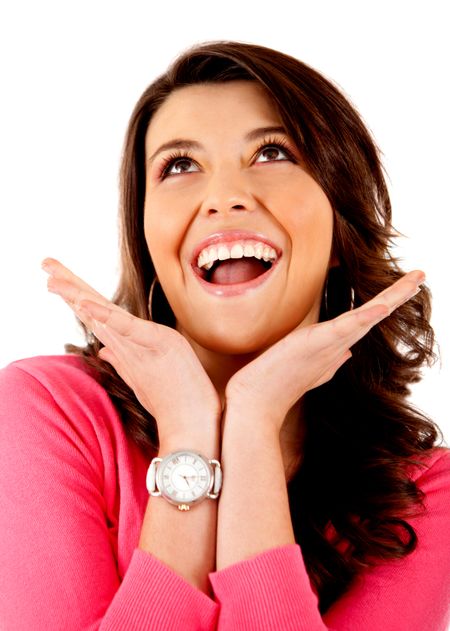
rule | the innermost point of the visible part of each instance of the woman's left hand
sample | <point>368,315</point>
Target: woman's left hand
<point>310,356</point>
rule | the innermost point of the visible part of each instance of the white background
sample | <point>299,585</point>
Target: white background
<point>71,73</point>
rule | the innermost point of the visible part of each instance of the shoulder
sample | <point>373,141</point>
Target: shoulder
<point>431,467</point>
<point>432,478</point>
<point>63,377</point>
<point>55,397</point>
<point>48,370</point>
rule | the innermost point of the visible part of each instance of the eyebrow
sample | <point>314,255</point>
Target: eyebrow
<point>184,143</point>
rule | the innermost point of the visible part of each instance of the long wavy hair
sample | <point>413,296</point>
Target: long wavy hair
<point>361,433</point>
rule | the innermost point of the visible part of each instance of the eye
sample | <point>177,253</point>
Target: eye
<point>176,164</point>
<point>179,163</point>
<point>180,166</point>
<point>269,153</point>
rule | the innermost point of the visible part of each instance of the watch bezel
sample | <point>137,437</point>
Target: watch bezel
<point>161,485</point>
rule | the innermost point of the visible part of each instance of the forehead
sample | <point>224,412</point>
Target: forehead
<point>194,108</point>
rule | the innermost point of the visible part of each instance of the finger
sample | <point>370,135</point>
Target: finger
<point>71,292</point>
<point>72,288</point>
<point>106,354</point>
<point>353,325</point>
<point>342,332</point>
<point>118,345</point>
<point>121,323</point>
<point>72,296</point>
<point>333,368</point>
<point>58,271</point>
<point>398,293</point>
<point>122,353</point>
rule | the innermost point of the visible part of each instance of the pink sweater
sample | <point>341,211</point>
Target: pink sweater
<point>72,502</point>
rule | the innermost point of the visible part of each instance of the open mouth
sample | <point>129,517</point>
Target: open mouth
<point>234,271</point>
<point>232,262</point>
<point>235,277</point>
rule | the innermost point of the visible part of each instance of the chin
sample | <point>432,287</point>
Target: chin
<point>231,338</point>
<point>234,342</point>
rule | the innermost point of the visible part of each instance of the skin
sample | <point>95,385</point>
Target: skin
<point>227,185</point>
<point>245,352</point>
<point>239,366</point>
<point>232,183</point>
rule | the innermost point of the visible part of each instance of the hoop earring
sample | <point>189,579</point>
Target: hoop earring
<point>325,298</point>
<point>150,297</point>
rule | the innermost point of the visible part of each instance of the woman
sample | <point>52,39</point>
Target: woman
<point>261,325</point>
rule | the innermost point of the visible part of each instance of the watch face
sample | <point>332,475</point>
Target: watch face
<point>184,477</point>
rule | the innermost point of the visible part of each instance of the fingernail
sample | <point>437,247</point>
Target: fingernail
<point>46,267</point>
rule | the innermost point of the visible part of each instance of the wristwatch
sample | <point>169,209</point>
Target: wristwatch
<point>184,478</point>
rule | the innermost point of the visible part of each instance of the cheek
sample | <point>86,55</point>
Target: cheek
<point>164,227</point>
<point>312,226</point>
<point>306,215</point>
<point>307,218</point>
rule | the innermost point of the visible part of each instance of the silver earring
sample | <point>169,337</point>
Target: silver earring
<point>325,298</point>
<point>150,298</point>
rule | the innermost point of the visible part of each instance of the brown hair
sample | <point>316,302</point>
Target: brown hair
<point>361,431</point>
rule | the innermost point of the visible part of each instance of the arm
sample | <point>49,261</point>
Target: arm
<point>261,580</point>
<point>184,541</point>
<point>59,570</point>
<point>272,589</point>
<point>166,376</point>
<point>254,510</point>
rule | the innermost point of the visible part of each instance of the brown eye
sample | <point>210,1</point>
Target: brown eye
<point>270,153</point>
<point>179,166</point>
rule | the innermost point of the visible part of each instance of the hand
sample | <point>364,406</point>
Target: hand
<point>309,356</point>
<point>156,361</point>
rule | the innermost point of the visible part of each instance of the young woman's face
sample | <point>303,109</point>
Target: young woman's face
<point>230,182</point>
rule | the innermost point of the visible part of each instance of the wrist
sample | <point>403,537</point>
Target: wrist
<point>243,429</point>
<point>206,444</point>
<point>199,433</point>
<point>251,420</point>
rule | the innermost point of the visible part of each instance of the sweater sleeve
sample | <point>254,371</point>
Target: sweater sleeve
<point>58,569</point>
<point>272,591</point>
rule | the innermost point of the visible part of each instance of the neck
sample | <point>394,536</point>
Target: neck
<point>220,367</point>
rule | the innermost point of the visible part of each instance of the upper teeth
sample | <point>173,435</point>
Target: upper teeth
<point>235,250</point>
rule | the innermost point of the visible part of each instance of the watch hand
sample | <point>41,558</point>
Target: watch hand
<point>185,479</point>
<point>189,477</point>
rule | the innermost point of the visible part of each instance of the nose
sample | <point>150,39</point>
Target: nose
<point>227,192</point>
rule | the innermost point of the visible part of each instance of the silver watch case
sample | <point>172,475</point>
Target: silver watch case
<point>184,478</point>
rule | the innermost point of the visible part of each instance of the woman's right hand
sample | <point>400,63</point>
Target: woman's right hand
<point>156,361</point>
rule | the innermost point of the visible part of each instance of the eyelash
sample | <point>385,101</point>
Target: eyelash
<point>186,155</point>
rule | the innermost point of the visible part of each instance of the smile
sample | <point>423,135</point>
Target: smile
<point>232,267</point>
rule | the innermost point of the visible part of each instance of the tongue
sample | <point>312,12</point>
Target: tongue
<point>237,271</point>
